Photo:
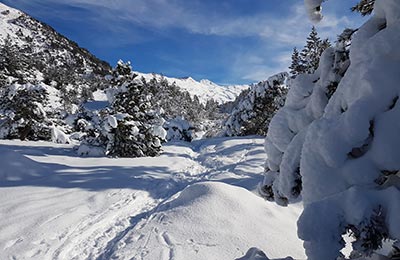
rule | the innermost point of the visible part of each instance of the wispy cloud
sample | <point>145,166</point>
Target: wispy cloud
<point>196,18</point>
<point>280,37</point>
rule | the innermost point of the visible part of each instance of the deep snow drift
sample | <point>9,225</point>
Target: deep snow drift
<point>193,202</point>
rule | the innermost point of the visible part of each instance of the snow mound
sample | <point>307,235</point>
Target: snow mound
<point>254,254</point>
<point>257,254</point>
<point>213,221</point>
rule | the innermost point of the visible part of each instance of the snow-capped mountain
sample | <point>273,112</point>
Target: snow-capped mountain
<point>203,89</point>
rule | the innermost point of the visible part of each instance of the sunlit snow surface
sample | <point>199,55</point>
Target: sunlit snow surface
<point>193,202</point>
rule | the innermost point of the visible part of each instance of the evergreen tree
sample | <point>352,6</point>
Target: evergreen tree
<point>307,61</point>
<point>323,144</point>
<point>130,127</point>
<point>254,108</point>
<point>325,44</point>
<point>311,52</point>
<point>23,113</point>
<point>296,66</point>
<point>9,58</point>
<point>179,106</point>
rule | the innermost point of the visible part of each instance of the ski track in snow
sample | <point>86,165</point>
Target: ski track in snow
<point>77,220</point>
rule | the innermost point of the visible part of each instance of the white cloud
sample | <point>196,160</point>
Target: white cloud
<point>195,18</point>
<point>277,34</point>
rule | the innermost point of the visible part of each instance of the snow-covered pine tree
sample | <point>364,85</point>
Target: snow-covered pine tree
<point>15,64</point>
<point>22,113</point>
<point>9,60</point>
<point>255,108</point>
<point>341,153</point>
<point>307,98</point>
<point>325,44</point>
<point>309,56</point>
<point>130,127</point>
<point>179,128</point>
<point>296,67</point>
<point>307,60</point>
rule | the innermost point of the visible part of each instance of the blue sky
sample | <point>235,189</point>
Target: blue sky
<point>228,42</point>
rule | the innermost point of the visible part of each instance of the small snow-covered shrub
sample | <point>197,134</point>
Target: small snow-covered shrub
<point>179,129</point>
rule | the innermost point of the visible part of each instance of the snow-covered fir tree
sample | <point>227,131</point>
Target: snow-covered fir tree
<point>179,128</point>
<point>130,127</point>
<point>254,108</point>
<point>334,142</point>
<point>307,60</point>
<point>311,53</point>
<point>296,67</point>
<point>22,114</point>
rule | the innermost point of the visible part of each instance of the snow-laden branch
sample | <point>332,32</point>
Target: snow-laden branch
<point>314,8</point>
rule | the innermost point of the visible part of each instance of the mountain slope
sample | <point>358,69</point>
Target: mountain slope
<point>43,42</point>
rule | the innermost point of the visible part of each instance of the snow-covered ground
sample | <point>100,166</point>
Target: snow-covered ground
<point>7,14</point>
<point>196,201</point>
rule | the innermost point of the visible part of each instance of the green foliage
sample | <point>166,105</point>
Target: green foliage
<point>264,109</point>
<point>24,117</point>
<point>129,127</point>
<point>177,103</point>
<point>254,108</point>
<point>296,66</point>
<point>370,234</point>
<point>307,61</point>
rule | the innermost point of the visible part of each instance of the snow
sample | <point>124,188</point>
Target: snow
<point>327,217</point>
<point>314,8</point>
<point>193,221</point>
<point>368,91</point>
<point>259,102</point>
<point>58,206</point>
<point>100,101</point>
<point>345,144</point>
<point>7,14</point>
<point>205,89</point>
<point>58,136</point>
<point>112,121</point>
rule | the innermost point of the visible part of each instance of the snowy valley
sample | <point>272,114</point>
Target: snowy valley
<point>56,205</point>
<point>100,162</point>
